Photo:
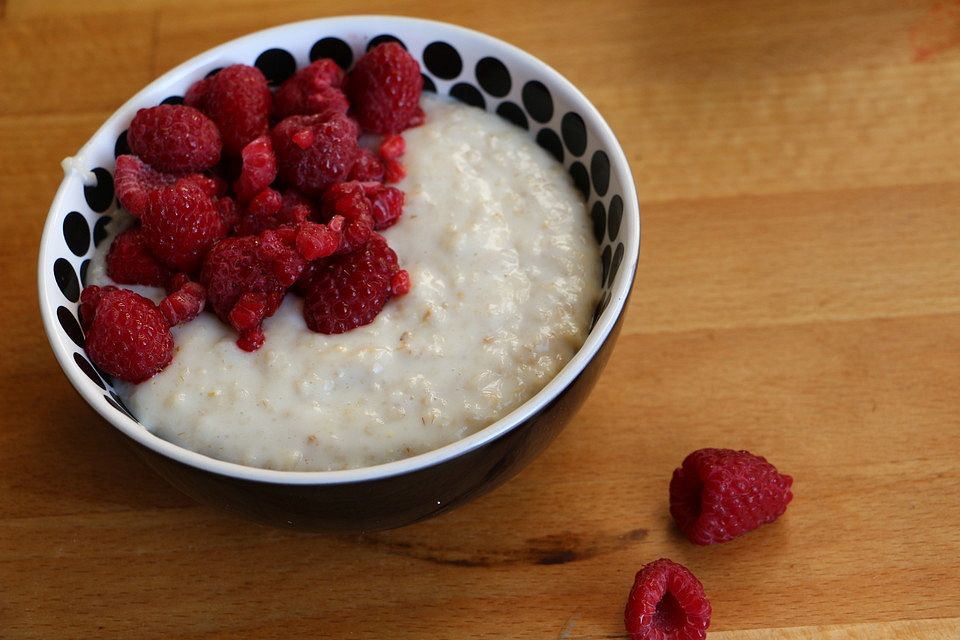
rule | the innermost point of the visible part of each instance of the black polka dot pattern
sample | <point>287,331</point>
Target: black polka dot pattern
<point>600,172</point>
<point>117,401</point>
<point>493,76</point>
<point>333,48</point>
<point>468,94</point>
<point>428,84</point>
<point>66,279</point>
<point>99,196</point>
<point>76,233</point>
<point>551,142</point>
<point>580,179</point>
<point>605,262</point>
<point>122,147</point>
<point>70,325</point>
<point>442,60</point>
<point>615,217</point>
<point>84,266</point>
<point>213,72</point>
<point>276,64</point>
<point>599,219</point>
<point>512,113</point>
<point>172,100</point>
<point>615,265</point>
<point>100,230</point>
<point>88,369</point>
<point>382,38</point>
<point>574,133</point>
<point>117,404</point>
<point>537,101</point>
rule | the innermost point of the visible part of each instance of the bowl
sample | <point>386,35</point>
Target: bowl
<point>470,66</point>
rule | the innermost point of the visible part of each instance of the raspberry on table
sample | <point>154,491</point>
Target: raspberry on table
<point>259,168</point>
<point>667,602</point>
<point>313,89</point>
<point>184,304</point>
<point>384,88</point>
<point>719,494</point>
<point>237,99</point>
<point>175,138</point>
<point>129,261</point>
<point>315,151</point>
<point>127,335</point>
<point>181,223</point>
<point>349,291</point>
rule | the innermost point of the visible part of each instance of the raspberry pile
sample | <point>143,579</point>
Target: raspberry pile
<point>243,194</point>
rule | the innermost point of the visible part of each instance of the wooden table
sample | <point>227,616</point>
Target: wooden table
<point>798,295</point>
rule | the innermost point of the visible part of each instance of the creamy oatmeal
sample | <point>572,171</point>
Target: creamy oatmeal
<point>505,277</point>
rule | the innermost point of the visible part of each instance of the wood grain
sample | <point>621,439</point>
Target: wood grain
<point>798,295</point>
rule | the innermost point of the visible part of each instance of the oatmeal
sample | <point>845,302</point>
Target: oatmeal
<point>505,276</point>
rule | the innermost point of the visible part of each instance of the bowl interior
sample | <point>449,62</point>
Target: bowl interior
<point>474,68</point>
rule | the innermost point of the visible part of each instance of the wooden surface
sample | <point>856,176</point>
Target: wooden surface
<point>798,295</point>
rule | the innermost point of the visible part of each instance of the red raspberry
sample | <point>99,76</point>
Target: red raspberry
<point>134,181</point>
<point>667,602</point>
<point>242,286</point>
<point>127,336</point>
<point>384,89</point>
<point>367,168</point>
<point>386,204</point>
<point>315,151</point>
<point>237,99</point>
<point>349,291</point>
<point>129,261</point>
<point>259,169</point>
<point>180,225</point>
<point>313,89</point>
<point>719,494</point>
<point>391,149</point>
<point>174,138</point>
<point>184,304</point>
<point>197,94</point>
<point>348,199</point>
<point>315,241</point>
<point>227,209</point>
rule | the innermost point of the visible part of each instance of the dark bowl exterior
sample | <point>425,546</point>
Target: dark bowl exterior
<point>393,501</point>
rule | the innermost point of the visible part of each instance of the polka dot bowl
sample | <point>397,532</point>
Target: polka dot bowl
<point>472,67</point>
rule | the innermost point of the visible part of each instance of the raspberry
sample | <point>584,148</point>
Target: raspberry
<point>237,99</point>
<point>386,204</point>
<point>127,335</point>
<point>391,149</point>
<point>367,168</point>
<point>313,89</point>
<point>180,225</point>
<point>196,94</point>
<point>184,304</point>
<point>174,138</point>
<point>384,89</point>
<point>227,209</point>
<point>315,151</point>
<point>347,199</point>
<point>719,494</point>
<point>129,261</point>
<point>135,180</point>
<point>259,169</point>
<point>667,602</point>
<point>349,291</point>
<point>242,288</point>
<point>315,241</point>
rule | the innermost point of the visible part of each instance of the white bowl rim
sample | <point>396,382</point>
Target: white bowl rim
<point>595,340</point>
